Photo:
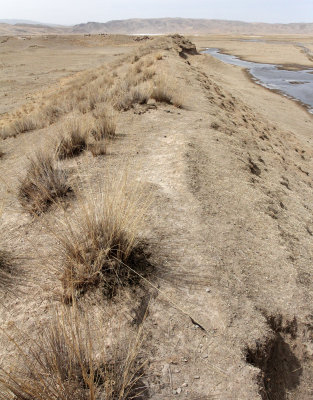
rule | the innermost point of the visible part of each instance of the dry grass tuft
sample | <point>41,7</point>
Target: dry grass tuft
<point>43,184</point>
<point>103,124</point>
<point>139,94</point>
<point>51,112</point>
<point>167,92</point>
<point>22,124</point>
<point>6,269</point>
<point>25,124</point>
<point>74,140</point>
<point>101,238</point>
<point>148,74</point>
<point>98,148</point>
<point>64,364</point>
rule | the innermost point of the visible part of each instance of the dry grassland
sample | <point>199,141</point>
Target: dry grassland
<point>160,207</point>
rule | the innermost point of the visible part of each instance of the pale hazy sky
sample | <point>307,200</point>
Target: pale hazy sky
<point>76,11</point>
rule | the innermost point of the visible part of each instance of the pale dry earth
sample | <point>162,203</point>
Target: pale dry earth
<point>230,176</point>
<point>30,64</point>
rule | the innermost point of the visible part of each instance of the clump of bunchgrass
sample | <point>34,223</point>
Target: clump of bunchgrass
<point>98,148</point>
<point>166,91</point>
<point>6,269</point>
<point>43,184</point>
<point>21,124</point>
<point>74,140</point>
<point>103,123</point>
<point>68,361</point>
<point>126,98</point>
<point>100,243</point>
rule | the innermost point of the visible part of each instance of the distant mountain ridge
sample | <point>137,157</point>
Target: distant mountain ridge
<point>24,22</point>
<point>158,26</point>
<point>191,26</point>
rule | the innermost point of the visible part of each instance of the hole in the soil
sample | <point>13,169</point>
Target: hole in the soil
<point>281,370</point>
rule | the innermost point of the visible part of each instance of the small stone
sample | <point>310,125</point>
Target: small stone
<point>208,290</point>
<point>177,371</point>
<point>185,384</point>
<point>185,360</point>
<point>205,356</point>
<point>197,377</point>
<point>178,391</point>
<point>174,391</point>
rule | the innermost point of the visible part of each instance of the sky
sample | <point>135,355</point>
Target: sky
<point>71,12</point>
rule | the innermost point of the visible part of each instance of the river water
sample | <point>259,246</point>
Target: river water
<point>295,84</point>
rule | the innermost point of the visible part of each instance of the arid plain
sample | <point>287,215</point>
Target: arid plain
<point>156,220</point>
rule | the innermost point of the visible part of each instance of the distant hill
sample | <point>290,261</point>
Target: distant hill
<point>19,21</point>
<point>191,26</point>
<point>31,29</point>
<point>24,22</point>
<point>157,26</point>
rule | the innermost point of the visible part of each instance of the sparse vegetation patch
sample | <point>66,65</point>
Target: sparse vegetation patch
<point>44,184</point>
<point>100,244</point>
<point>74,140</point>
<point>63,364</point>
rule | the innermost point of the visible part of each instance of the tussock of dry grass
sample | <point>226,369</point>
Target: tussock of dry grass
<point>26,123</point>
<point>103,123</point>
<point>43,184</point>
<point>74,140</point>
<point>68,362</point>
<point>148,74</point>
<point>52,112</point>
<point>22,124</point>
<point>139,94</point>
<point>98,148</point>
<point>101,238</point>
<point>6,269</point>
<point>166,91</point>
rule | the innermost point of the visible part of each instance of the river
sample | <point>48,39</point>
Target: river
<point>297,85</point>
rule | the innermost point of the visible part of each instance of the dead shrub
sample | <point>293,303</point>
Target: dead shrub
<point>103,123</point>
<point>43,184</point>
<point>69,362</point>
<point>100,244</point>
<point>74,140</point>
